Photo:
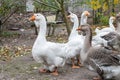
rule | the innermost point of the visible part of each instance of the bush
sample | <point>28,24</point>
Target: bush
<point>104,20</point>
<point>8,8</point>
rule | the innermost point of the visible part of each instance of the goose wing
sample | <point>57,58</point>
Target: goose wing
<point>106,70</point>
<point>105,57</point>
<point>109,36</point>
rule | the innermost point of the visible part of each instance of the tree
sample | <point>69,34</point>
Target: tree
<point>7,9</point>
<point>55,5</point>
<point>100,7</point>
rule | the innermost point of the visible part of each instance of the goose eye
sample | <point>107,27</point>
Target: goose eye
<point>36,15</point>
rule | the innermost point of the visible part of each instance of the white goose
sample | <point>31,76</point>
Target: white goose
<point>97,39</point>
<point>114,37</point>
<point>75,40</point>
<point>111,27</point>
<point>50,54</point>
<point>84,17</point>
<point>103,61</point>
<point>74,19</point>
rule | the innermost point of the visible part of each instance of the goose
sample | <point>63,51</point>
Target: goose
<point>84,17</point>
<point>75,41</point>
<point>73,17</point>
<point>111,27</point>
<point>97,39</point>
<point>49,53</point>
<point>114,43</point>
<point>113,36</point>
<point>99,59</point>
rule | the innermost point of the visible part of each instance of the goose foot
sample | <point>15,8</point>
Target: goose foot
<point>75,67</point>
<point>96,78</point>
<point>55,73</point>
<point>43,70</point>
<point>73,64</point>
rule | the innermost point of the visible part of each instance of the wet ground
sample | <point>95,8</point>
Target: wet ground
<point>25,68</point>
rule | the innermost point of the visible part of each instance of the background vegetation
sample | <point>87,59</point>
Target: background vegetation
<point>101,9</point>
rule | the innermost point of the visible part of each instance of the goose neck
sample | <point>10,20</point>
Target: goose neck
<point>111,25</point>
<point>42,31</point>
<point>83,20</point>
<point>86,46</point>
<point>118,27</point>
<point>87,41</point>
<point>75,26</point>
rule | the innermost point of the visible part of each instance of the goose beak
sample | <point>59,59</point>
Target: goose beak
<point>114,18</point>
<point>32,18</point>
<point>78,29</point>
<point>69,16</point>
<point>87,13</point>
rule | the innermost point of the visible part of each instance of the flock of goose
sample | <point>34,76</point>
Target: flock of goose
<point>99,53</point>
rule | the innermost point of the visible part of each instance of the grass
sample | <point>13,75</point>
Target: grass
<point>9,34</point>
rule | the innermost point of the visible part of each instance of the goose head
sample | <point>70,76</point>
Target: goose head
<point>85,13</point>
<point>84,17</point>
<point>72,17</point>
<point>85,29</point>
<point>112,19</point>
<point>37,18</point>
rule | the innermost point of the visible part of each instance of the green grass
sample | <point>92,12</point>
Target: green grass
<point>9,34</point>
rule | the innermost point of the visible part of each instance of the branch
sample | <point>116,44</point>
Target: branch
<point>9,15</point>
<point>58,3</point>
<point>47,5</point>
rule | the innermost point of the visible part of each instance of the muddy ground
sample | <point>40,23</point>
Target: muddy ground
<point>25,68</point>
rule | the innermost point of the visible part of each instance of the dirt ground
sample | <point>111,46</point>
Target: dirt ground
<point>25,68</point>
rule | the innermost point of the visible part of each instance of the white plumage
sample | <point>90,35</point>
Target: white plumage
<point>111,27</point>
<point>97,40</point>
<point>51,54</point>
<point>75,41</point>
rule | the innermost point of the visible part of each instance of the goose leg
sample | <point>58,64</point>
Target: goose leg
<point>44,69</point>
<point>78,60</point>
<point>55,72</point>
<point>73,64</point>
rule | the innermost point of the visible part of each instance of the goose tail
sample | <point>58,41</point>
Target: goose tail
<point>107,72</point>
<point>96,67</point>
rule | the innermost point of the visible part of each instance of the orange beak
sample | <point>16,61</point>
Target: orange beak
<point>68,16</point>
<point>114,18</point>
<point>32,18</point>
<point>78,29</point>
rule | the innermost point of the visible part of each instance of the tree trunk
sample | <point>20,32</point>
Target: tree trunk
<point>113,6</point>
<point>0,27</point>
<point>98,16</point>
<point>65,17</point>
